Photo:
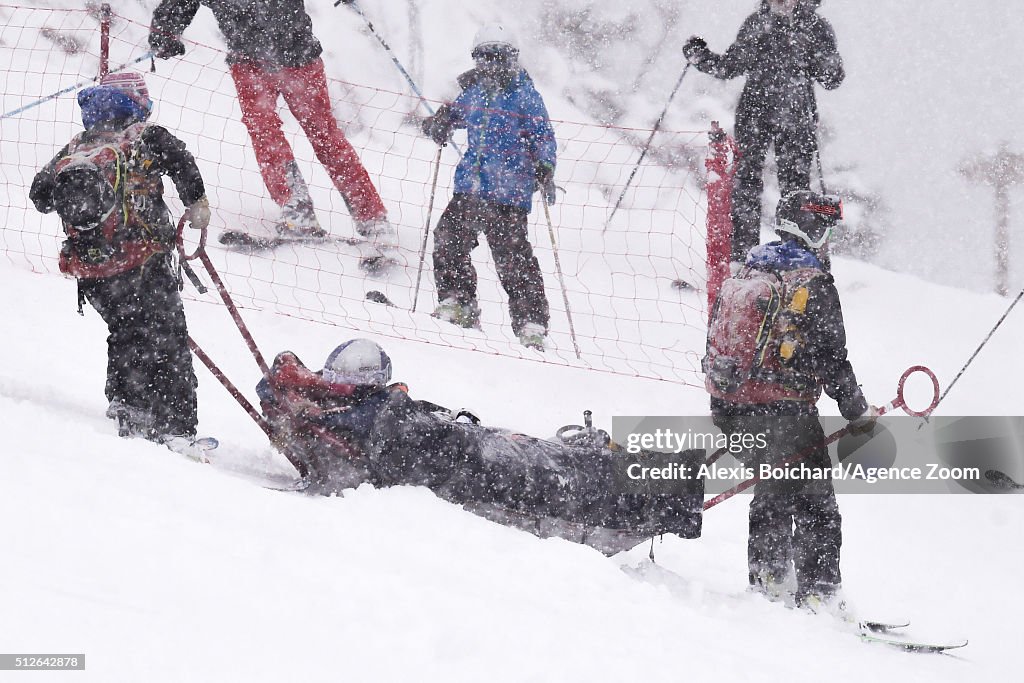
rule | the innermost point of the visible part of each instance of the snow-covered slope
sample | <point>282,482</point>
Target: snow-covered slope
<point>163,570</point>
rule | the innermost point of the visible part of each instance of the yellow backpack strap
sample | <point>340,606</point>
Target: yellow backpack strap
<point>798,295</point>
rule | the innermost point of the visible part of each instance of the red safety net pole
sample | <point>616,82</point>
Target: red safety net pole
<point>721,167</point>
<point>104,39</point>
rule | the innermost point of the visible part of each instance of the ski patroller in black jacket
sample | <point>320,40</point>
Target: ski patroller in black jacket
<point>782,58</point>
<point>270,32</point>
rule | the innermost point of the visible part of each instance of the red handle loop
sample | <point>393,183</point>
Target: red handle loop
<point>901,401</point>
<point>181,242</point>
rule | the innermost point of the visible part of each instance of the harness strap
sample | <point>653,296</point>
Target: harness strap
<point>81,296</point>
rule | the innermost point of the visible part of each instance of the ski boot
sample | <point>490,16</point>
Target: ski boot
<point>532,336</point>
<point>766,584</point>
<point>825,601</point>
<point>131,421</point>
<point>298,221</point>
<point>381,244</point>
<point>463,315</point>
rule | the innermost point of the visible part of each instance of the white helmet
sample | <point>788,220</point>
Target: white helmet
<point>494,37</point>
<point>358,361</point>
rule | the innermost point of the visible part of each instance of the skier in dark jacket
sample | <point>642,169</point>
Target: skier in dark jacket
<point>272,52</point>
<point>347,425</point>
<point>782,49</point>
<point>511,152</point>
<point>106,185</point>
<point>775,340</point>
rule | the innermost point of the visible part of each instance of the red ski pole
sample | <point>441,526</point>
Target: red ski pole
<point>898,402</point>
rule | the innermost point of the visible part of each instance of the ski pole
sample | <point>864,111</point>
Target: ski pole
<point>426,228</point>
<point>68,89</point>
<point>982,345</point>
<point>647,146</point>
<point>558,270</point>
<point>898,402</point>
<point>821,173</point>
<point>391,53</point>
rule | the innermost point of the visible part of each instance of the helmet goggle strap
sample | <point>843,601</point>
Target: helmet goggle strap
<point>794,229</point>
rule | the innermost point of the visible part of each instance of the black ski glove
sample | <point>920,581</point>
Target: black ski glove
<point>544,173</point>
<point>865,424</point>
<point>439,126</point>
<point>165,46</point>
<point>695,50</point>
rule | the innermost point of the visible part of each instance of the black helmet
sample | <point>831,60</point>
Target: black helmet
<point>82,197</point>
<point>809,216</point>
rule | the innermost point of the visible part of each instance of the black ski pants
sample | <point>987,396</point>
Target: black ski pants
<point>149,365</point>
<point>795,145</point>
<point>792,522</point>
<point>505,228</point>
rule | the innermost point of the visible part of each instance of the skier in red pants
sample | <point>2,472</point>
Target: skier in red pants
<point>272,52</point>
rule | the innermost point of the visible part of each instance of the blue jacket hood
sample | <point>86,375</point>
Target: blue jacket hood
<point>782,255</point>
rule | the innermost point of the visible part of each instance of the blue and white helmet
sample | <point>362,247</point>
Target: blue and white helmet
<point>358,361</point>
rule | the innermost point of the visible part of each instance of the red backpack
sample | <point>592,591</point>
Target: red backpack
<point>103,189</point>
<point>754,337</point>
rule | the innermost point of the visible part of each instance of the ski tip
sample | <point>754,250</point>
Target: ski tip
<point>378,298</point>
<point>298,486</point>
<point>682,285</point>
<point>882,626</point>
<point>207,442</point>
<point>376,265</point>
<point>1002,480</point>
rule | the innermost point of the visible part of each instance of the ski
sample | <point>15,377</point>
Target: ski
<point>297,486</point>
<point>378,264</point>
<point>194,449</point>
<point>243,241</point>
<point>379,298</point>
<point>882,627</point>
<point>682,285</point>
<point>1002,480</point>
<point>909,645</point>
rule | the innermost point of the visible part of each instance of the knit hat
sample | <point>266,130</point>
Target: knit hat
<point>131,84</point>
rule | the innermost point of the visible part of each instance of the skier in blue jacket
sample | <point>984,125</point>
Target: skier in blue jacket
<point>511,153</point>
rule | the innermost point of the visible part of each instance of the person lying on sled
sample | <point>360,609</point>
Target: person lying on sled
<point>346,425</point>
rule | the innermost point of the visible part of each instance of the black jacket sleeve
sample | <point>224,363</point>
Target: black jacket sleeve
<point>824,63</point>
<point>170,19</point>
<point>825,336</point>
<point>41,192</point>
<point>165,154</point>
<point>741,55</point>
